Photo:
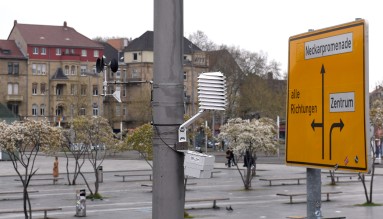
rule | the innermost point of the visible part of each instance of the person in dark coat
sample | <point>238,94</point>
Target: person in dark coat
<point>230,157</point>
<point>248,160</point>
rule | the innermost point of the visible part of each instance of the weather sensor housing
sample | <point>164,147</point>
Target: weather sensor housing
<point>211,96</point>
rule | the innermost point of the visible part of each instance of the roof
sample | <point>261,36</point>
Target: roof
<point>145,43</point>
<point>7,115</point>
<point>48,35</point>
<point>59,75</point>
<point>109,52</point>
<point>9,50</point>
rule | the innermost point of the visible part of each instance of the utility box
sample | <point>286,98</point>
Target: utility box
<point>80,203</point>
<point>100,174</point>
<point>198,165</point>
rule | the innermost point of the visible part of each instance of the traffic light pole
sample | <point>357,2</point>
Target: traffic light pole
<point>167,107</point>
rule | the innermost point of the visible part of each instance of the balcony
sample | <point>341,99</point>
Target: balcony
<point>18,98</point>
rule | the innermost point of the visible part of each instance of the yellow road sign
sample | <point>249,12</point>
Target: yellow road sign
<point>327,105</point>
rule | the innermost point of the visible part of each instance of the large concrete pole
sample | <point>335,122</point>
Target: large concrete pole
<point>168,111</point>
<point>314,190</point>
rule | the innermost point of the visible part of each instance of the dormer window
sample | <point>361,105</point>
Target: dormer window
<point>6,51</point>
<point>35,50</point>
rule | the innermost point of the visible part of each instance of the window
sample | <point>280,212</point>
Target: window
<point>82,112</point>
<point>66,70</point>
<point>59,89</point>
<point>14,107</point>
<point>83,53</point>
<point>83,68</point>
<point>10,88</point>
<point>43,69</point>
<point>43,51</point>
<point>40,69</point>
<point>58,51</point>
<point>13,68</point>
<point>95,53</point>
<point>135,73</point>
<point>42,110</point>
<point>34,110</point>
<point>118,110</point>
<point>13,89</point>
<point>66,51</point>
<point>185,76</point>
<point>34,69</point>
<point>124,91</point>
<point>118,74</point>
<point>124,111</point>
<point>135,56</point>
<point>95,110</point>
<point>42,88</point>
<point>73,89</point>
<point>83,90</point>
<point>95,90</point>
<point>73,70</point>
<point>34,88</point>
<point>35,50</point>
<point>94,69</point>
<point>59,110</point>
<point>72,51</point>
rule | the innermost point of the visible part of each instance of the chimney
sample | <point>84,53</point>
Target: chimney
<point>270,75</point>
<point>65,24</point>
<point>14,22</point>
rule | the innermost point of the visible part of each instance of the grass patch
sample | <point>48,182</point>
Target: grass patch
<point>187,215</point>
<point>94,196</point>
<point>369,204</point>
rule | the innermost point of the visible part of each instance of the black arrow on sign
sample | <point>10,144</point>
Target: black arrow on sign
<point>321,125</point>
<point>335,125</point>
<point>322,71</point>
<point>314,124</point>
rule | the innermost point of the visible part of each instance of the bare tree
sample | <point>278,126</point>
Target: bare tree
<point>23,140</point>
<point>201,40</point>
<point>376,118</point>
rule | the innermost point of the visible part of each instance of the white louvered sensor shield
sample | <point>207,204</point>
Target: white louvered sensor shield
<point>212,91</point>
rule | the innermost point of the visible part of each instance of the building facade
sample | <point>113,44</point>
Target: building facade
<point>61,79</point>
<point>13,78</point>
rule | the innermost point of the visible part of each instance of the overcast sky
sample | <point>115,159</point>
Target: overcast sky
<point>249,24</point>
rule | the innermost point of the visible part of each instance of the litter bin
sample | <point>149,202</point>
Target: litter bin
<point>80,203</point>
<point>100,174</point>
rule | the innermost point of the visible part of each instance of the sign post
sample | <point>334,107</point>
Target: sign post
<point>327,105</point>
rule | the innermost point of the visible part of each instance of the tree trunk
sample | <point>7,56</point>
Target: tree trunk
<point>332,176</point>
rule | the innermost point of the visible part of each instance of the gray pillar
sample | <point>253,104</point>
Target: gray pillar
<point>168,190</point>
<point>314,201</point>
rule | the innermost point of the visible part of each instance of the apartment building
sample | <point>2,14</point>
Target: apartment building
<point>60,75</point>
<point>13,78</point>
<point>138,73</point>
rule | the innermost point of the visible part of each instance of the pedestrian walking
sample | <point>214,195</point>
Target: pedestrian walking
<point>55,170</point>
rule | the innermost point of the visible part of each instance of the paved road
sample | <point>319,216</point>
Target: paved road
<point>131,200</point>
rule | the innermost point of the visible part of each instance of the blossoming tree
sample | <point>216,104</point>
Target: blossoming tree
<point>23,140</point>
<point>94,133</point>
<point>249,137</point>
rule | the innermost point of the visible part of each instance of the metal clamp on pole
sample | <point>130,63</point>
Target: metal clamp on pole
<point>182,129</point>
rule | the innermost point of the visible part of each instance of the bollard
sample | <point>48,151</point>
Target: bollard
<point>100,174</point>
<point>80,203</point>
